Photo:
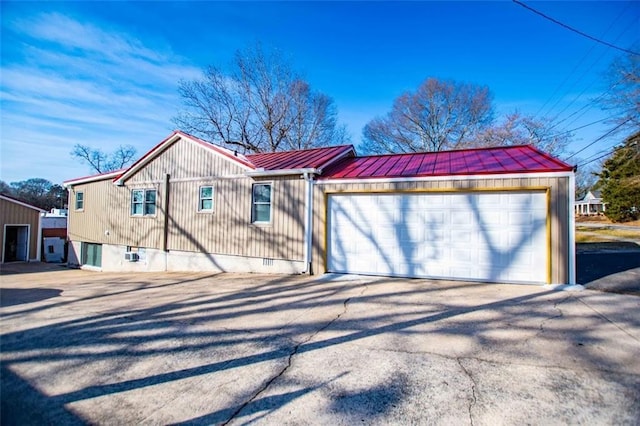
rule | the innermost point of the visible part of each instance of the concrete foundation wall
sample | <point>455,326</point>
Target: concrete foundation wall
<point>154,260</point>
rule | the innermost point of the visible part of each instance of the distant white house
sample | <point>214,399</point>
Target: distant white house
<point>590,205</point>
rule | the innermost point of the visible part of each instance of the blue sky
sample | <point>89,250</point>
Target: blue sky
<point>106,73</point>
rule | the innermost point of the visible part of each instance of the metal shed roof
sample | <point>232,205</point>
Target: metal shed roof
<point>315,158</point>
<point>479,161</point>
<point>21,203</point>
<point>340,162</point>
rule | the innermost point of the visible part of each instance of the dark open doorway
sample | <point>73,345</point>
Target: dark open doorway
<point>16,243</point>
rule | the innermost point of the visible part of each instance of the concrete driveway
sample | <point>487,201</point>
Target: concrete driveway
<point>83,347</point>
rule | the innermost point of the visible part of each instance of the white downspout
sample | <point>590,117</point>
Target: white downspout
<point>39,243</point>
<point>308,216</point>
<point>572,229</point>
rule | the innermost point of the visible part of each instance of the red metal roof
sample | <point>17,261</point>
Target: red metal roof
<point>339,162</point>
<point>91,178</point>
<point>315,158</point>
<point>300,159</point>
<point>479,161</point>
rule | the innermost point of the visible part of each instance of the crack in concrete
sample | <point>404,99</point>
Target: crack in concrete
<point>473,390</point>
<point>541,328</point>
<point>559,315</point>
<point>601,315</point>
<point>502,362</point>
<point>293,353</point>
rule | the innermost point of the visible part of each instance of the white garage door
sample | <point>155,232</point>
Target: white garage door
<point>483,236</point>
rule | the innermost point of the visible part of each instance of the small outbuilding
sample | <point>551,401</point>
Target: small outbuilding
<point>21,230</point>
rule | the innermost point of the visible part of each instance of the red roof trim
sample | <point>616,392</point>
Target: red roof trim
<point>91,178</point>
<point>348,149</point>
<point>220,150</point>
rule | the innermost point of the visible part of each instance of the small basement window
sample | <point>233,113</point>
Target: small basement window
<point>143,202</point>
<point>91,254</point>
<point>79,200</point>
<point>205,199</point>
<point>261,203</point>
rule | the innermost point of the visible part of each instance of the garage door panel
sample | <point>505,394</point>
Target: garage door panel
<point>489,199</point>
<point>473,236</point>
<point>461,218</point>
<point>494,219</point>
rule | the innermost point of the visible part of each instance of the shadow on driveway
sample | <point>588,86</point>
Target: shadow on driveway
<point>18,296</point>
<point>609,270</point>
<point>198,349</point>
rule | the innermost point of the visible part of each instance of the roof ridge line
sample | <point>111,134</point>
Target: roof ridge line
<point>300,150</point>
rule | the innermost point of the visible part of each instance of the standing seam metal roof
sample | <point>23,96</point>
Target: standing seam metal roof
<point>301,159</point>
<point>496,160</point>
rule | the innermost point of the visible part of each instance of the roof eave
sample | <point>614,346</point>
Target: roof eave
<point>327,180</point>
<point>89,179</point>
<point>162,146</point>
<point>283,172</point>
<point>22,203</point>
<point>150,155</point>
<point>350,149</point>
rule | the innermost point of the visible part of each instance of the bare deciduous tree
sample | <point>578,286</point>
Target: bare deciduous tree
<point>518,129</point>
<point>444,115</point>
<point>101,162</point>
<point>623,96</point>
<point>586,179</point>
<point>313,119</point>
<point>439,115</point>
<point>262,105</point>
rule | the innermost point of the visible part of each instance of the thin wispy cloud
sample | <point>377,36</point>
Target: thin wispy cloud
<point>106,74</point>
<point>72,81</point>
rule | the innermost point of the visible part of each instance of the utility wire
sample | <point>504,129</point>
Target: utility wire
<point>600,138</point>
<point>582,111</point>
<point>575,99</point>
<point>602,153</point>
<point>586,108</point>
<point>579,64</point>
<point>598,154</point>
<point>609,152</point>
<point>564,132</point>
<point>519,3</point>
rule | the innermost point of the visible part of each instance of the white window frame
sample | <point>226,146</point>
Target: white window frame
<point>144,202</point>
<point>254,203</point>
<point>201,199</point>
<point>81,201</point>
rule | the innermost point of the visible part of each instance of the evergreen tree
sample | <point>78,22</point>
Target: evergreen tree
<point>620,181</point>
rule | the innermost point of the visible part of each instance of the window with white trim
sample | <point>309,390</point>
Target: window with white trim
<point>261,203</point>
<point>80,200</point>
<point>143,202</point>
<point>205,199</point>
